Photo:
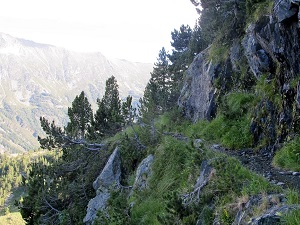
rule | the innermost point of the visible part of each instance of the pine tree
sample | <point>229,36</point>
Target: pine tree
<point>108,117</point>
<point>161,79</point>
<point>80,115</point>
<point>179,58</point>
<point>157,92</point>
<point>128,112</point>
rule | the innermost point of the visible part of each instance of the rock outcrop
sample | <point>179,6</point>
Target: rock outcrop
<point>143,173</point>
<point>109,179</point>
<point>206,173</point>
<point>273,207</point>
<point>270,48</point>
<point>197,97</point>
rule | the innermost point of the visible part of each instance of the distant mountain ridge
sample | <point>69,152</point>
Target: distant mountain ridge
<point>42,80</point>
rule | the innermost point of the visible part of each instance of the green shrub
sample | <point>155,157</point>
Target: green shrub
<point>117,210</point>
<point>289,156</point>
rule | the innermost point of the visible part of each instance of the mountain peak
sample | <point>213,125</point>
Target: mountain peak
<point>10,45</point>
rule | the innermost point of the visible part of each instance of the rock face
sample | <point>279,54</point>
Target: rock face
<point>285,9</point>
<point>109,179</point>
<point>143,173</point>
<point>270,48</point>
<point>197,95</point>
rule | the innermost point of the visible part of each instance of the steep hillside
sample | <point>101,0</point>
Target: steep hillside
<point>42,80</point>
<point>236,81</point>
<point>261,61</point>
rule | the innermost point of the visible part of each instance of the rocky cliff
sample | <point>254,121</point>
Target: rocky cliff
<point>42,80</point>
<point>269,53</point>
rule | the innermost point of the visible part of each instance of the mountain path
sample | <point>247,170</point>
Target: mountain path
<point>259,162</point>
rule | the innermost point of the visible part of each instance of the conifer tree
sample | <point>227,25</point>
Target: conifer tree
<point>179,58</point>
<point>161,79</point>
<point>157,92</point>
<point>80,115</point>
<point>108,117</point>
<point>128,112</point>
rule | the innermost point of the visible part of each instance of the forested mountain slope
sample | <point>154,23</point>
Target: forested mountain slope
<point>42,80</point>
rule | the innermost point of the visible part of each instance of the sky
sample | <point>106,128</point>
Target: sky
<point>134,30</point>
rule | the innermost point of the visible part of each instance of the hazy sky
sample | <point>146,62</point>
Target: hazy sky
<point>132,29</point>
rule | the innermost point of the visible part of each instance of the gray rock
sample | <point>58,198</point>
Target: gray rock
<point>111,173</point>
<point>257,57</point>
<point>280,183</point>
<point>284,9</point>
<point>275,207</point>
<point>96,204</point>
<point>296,173</point>
<point>273,215</point>
<point>143,173</point>
<point>235,54</point>
<point>107,180</point>
<point>206,172</point>
<point>298,96</point>
<point>197,97</point>
<point>198,143</point>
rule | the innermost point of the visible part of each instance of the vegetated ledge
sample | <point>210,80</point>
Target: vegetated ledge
<point>192,183</point>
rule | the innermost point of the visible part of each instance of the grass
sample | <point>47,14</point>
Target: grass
<point>292,196</point>
<point>231,186</point>
<point>218,52</point>
<point>231,127</point>
<point>13,218</point>
<point>174,169</point>
<point>10,215</point>
<point>292,218</point>
<point>258,8</point>
<point>288,157</point>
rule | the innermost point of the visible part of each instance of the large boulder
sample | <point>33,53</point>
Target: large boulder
<point>108,179</point>
<point>143,173</point>
<point>197,98</point>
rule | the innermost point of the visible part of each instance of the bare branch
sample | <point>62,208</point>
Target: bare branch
<point>54,209</point>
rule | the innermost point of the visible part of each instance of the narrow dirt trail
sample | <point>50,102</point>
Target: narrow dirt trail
<point>261,163</point>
